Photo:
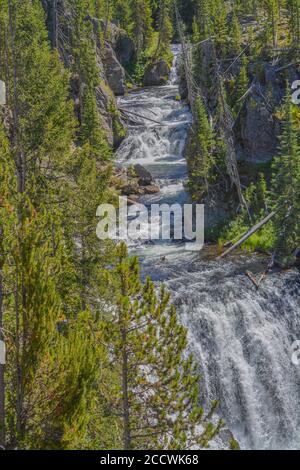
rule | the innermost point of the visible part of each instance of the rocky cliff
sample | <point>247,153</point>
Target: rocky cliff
<point>111,52</point>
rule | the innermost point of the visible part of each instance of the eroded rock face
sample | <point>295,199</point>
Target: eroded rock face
<point>121,43</point>
<point>257,132</point>
<point>156,74</point>
<point>111,72</point>
<point>258,128</point>
<point>125,49</point>
<point>144,176</point>
<point>115,74</point>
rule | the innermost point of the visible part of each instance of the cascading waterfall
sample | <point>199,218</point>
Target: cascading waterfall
<point>241,337</point>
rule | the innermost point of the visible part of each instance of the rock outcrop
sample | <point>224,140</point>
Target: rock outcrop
<point>257,131</point>
<point>156,74</point>
<point>135,182</point>
<point>115,73</point>
<point>258,128</point>
<point>111,72</point>
<point>122,44</point>
<point>144,176</point>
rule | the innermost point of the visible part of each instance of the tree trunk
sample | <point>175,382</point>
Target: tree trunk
<point>2,366</point>
<point>55,24</point>
<point>249,233</point>
<point>20,163</point>
<point>126,415</point>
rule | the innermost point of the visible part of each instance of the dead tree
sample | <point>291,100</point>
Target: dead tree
<point>250,232</point>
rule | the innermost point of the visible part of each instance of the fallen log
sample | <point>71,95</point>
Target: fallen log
<point>257,282</point>
<point>249,234</point>
<point>252,278</point>
<point>125,111</point>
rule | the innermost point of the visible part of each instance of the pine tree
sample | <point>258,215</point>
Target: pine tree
<point>272,9</point>
<point>201,154</point>
<point>141,24</point>
<point>157,394</point>
<point>165,30</point>
<point>285,194</point>
<point>202,21</point>
<point>293,7</point>
<point>236,34</point>
<point>41,127</point>
<point>242,83</point>
<point>7,218</point>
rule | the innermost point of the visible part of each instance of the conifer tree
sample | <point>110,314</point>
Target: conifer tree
<point>201,153</point>
<point>165,30</point>
<point>241,83</point>
<point>272,8</point>
<point>293,7</point>
<point>285,183</point>
<point>141,24</point>
<point>202,21</point>
<point>236,34</point>
<point>7,217</point>
<point>41,127</point>
<point>158,391</point>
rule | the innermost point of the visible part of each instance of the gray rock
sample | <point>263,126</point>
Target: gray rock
<point>144,176</point>
<point>115,73</point>
<point>183,89</point>
<point>257,132</point>
<point>122,44</point>
<point>151,189</point>
<point>132,189</point>
<point>156,74</point>
<point>111,122</point>
<point>125,49</point>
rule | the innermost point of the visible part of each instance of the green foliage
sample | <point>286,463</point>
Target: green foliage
<point>257,199</point>
<point>285,192</point>
<point>201,151</point>
<point>157,392</point>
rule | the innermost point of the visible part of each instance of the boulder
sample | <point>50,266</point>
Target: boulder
<point>122,44</point>
<point>132,199</point>
<point>151,189</point>
<point>132,188</point>
<point>144,176</point>
<point>115,74</point>
<point>156,74</point>
<point>111,122</point>
<point>125,49</point>
<point>183,89</point>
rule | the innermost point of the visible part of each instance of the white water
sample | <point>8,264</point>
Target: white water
<point>241,338</point>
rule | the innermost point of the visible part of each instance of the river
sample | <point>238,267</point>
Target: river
<point>240,337</point>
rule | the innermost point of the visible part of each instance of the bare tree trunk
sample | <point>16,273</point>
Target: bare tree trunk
<point>107,11</point>
<point>55,24</point>
<point>2,366</point>
<point>20,158</point>
<point>250,232</point>
<point>126,416</point>
<point>20,162</point>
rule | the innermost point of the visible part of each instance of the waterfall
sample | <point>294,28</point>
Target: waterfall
<point>240,337</point>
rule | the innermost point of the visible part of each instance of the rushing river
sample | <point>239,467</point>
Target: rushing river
<point>240,337</point>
